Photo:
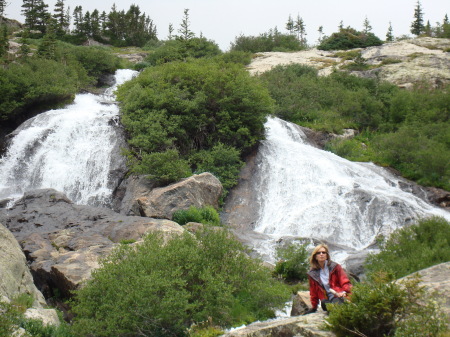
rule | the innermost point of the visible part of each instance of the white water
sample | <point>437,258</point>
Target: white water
<point>311,193</point>
<point>67,149</point>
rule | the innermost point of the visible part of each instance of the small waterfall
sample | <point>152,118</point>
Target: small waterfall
<point>304,192</point>
<point>68,149</point>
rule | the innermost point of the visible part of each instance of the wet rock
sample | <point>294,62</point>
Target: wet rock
<point>63,242</point>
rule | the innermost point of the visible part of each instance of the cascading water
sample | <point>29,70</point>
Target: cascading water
<point>67,149</point>
<point>305,192</point>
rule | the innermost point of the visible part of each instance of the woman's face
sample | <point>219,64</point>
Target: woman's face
<point>321,255</point>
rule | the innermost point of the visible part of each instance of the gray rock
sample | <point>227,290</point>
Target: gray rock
<point>300,303</point>
<point>64,241</point>
<point>309,325</point>
<point>198,190</point>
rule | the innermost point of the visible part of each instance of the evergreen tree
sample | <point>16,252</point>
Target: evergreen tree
<point>170,36</point>
<point>185,31</point>
<point>103,22</point>
<point>427,29</point>
<point>367,26</point>
<point>47,48</point>
<point>389,36</point>
<point>87,28</point>
<point>300,29</point>
<point>24,49</point>
<point>95,24</point>
<point>62,20</point>
<point>320,30</point>
<point>3,5</point>
<point>417,26</point>
<point>4,42</point>
<point>78,20</point>
<point>36,14</point>
<point>341,25</point>
<point>290,25</point>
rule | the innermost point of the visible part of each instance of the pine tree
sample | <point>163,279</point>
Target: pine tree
<point>367,26</point>
<point>3,5</point>
<point>299,27</point>
<point>95,24</point>
<point>78,20</point>
<point>389,35</point>
<point>290,25</point>
<point>417,26</point>
<point>170,36</point>
<point>4,42</point>
<point>320,30</point>
<point>341,25</point>
<point>427,29</point>
<point>24,49</point>
<point>185,31</point>
<point>62,21</point>
<point>47,48</point>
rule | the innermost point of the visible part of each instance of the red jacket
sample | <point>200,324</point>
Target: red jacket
<point>338,281</point>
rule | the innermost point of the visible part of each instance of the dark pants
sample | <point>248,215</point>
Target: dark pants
<point>334,300</point>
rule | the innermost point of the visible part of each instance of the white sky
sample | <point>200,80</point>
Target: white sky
<point>223,20</point>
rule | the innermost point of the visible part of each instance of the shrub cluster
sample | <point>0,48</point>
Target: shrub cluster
<point>349,38</point>
<point>201,114</point>
<point>413,248</point>
<point>163,286</point>
<point>265,42</point>
<point>38,83</point>
<point>292,262</point>
<point>205,215</point>
<point>380,307</point>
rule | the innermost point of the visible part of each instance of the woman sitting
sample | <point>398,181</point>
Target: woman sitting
<point>327,280</point>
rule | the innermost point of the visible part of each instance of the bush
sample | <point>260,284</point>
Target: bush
<point>179,50</point>
<point>193,106</point>
<point>162,286</point>
<point>349,38</point>
<point>380,307</point>
<point>266,42</point>
<point>205,215</point>
<point>292,262</point>
<point>413,248</point>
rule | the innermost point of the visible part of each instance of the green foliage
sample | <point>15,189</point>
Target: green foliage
<point>265,42</point>
<point>178,50</point>
<point>193,106</point>
<point>413,248</point>
<point>38,83</point>
<point>222,161</point>
<point>162,286</point>
<point>236,56</point>
<point>9,316</point>
<point>292,262</point>
<point>349,38</point>
<point>380,307</point>
<point>205,215</point>
<point>164,167</point>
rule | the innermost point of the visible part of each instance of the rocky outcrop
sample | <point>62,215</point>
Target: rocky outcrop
<point>309,325</point>
<point>300,303</point>
<point>403,63</point>
<point>436,279</point>
<point>64,242</point>
<point>16,279</point>
<point>139,196</point>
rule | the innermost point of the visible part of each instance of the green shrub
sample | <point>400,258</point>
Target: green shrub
<point>193,106</point>
<point>222,161</point>
<point>163,167</point>
<point>292,262</point>
<point>236,56</point>
<point>349,38</point>
<point>266,42</point>
<point>163,286</point>
<point>9,317</point>
<point>205,215</point>
<point>413,248</point>
<point>179,50</point>
<point>380,307</point>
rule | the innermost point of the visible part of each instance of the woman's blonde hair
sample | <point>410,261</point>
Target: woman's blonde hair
<point>312,259</point>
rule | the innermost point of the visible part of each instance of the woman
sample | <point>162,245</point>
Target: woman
<point>327,280</point>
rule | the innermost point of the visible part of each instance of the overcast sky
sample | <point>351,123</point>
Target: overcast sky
<point>223,20</point>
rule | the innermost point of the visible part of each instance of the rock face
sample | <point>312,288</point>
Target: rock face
<point>309,325</point>
<point>64,242</point>
<point>403,63</point>
<point>141,199</point>
<point>301,303</point>
<point>437,278</point>
<point>16,279</point>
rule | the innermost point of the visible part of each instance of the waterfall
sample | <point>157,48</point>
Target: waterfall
<point>305,192</point>
<point>68,149</point>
